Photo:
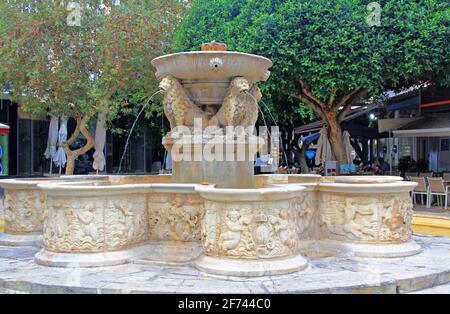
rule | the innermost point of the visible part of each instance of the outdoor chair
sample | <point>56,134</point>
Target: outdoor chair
<point>426,174</point>
<point>421,189</point>
<point>446,176</point>
<point>440,190</point>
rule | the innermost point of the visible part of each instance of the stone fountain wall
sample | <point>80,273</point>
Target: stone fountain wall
<point>25,205</point>
<point>282,217</point>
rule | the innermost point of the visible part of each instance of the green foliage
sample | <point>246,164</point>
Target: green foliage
<point>328,44</point>
<point>103,64</point>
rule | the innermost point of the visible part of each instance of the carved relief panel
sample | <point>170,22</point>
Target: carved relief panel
<point>249,230</point>
<point>175,217</point>
<point>95,224</point>
<point>365,218</point>
<point>305,207</point>
<point>24,210</point>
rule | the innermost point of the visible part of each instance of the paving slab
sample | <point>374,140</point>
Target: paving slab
<point>427,272</point>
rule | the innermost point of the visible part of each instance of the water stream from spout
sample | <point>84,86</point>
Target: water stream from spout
<point>132,128</point>
<point>267,127</point>
<point>276,124</point>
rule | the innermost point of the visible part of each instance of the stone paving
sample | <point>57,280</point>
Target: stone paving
<point>428,272</point>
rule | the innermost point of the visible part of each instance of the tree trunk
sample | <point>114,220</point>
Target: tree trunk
<point>73,154</point>
<point>336,140</point>
<point>302,159</point>
<point>300,154</point>
<point>333,111</point>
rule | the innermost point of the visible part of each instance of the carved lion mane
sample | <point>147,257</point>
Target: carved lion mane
<point>240,106</point>
<point>179,109</point>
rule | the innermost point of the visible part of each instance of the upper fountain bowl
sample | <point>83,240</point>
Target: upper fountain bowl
<point>206,75</point>
<point>212,65</point>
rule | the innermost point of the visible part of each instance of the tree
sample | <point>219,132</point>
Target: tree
<point>83,59</point>
<point>326,53</point>
<point>234,22</point>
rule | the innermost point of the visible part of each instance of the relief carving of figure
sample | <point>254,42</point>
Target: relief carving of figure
<point>349,217</point>
<point>87,219</point>
<point>126,219</point>
<point>282,228</point>
<point>178,108</point>
<point>180,221</point>
<point>396,219</point>
<point>56,221</point>
<point>240,106</point>
<point>305,208</point>
<point>236,225</point>
<point>9,208</point>
<point>359,230</point>
<point>23,211</point>
<point>56,226</point>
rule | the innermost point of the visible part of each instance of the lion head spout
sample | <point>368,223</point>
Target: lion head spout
<point>239,85</point>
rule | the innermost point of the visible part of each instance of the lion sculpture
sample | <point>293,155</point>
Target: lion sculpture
<point>178,108</point>
<point>240,106</point>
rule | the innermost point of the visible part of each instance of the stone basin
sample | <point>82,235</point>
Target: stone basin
<point>212,65</point>
<point>206,75</point>
<point>25,204</point>
<point>243,232</point>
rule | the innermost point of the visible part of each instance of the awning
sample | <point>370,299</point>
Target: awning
<point>310,138</point>
<point>405,103</point>
<point>4,129</point>
<point>386,125</point>
<point>435,125</point>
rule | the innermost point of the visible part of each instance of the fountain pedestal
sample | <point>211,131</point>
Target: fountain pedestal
<point>227,162</point>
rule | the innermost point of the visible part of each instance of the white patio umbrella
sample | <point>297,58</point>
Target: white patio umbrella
<point>100,138</point>
<point>60,157</point>
<point>52,140</point>
<point>324,152</point>
<point>348,147</point>
<point>168,161</point>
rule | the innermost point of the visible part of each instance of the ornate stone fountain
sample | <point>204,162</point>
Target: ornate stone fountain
<point>218,88</point>
<point>214,211</point>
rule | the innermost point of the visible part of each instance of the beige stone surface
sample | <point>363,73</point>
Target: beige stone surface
<point>24,211</point>
<point>92,222</point>
<point>95,224</point>
<point>25,203</point>
<point>365,218</point>
<point>218,89</point>
<point>250,225</point>
<point>275,221</point>
<point>175,217</point>
<point>212,65</point>
<point>251,268</point>
<point>213,159</point>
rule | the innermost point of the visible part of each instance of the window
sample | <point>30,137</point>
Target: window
<point>445,144</point>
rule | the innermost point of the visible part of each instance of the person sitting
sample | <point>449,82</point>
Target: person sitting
<point>383,166</point>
